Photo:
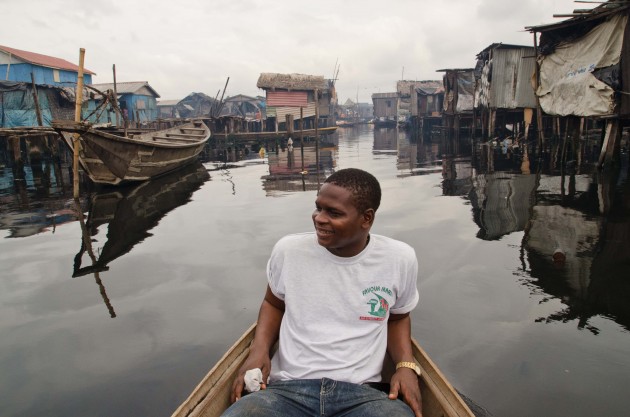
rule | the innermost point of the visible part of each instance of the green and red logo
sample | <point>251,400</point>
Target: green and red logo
<point>379,306</point>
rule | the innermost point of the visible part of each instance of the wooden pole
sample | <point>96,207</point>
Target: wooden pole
<point>116,99</point>
<point>38,111</point>
<point>316,132</point>
<point>302,136</point>
<point>539,119</point>
<point>77,119</point>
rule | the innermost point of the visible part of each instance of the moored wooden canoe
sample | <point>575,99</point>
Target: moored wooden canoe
<point>112,159</point>
<point>212,396</point>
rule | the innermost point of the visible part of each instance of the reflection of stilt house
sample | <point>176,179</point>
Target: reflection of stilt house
<point>457,114</point>
<point>385,109</point>
<point>504,96</point>
<point>582,77</point>
<point>292,95</point>
<point>427,100</point>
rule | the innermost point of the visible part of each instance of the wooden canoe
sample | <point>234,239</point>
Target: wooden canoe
<point>109,158</point>
<point>212,396</point>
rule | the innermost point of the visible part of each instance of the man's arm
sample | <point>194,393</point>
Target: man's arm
<point>267,331</point>
<point>405,380</point>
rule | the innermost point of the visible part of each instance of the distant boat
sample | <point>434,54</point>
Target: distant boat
<point>110,158</point>
<point>212,396</point>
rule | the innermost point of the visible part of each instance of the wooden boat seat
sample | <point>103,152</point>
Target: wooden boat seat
<point>173,139</point>
<point>187,135</point>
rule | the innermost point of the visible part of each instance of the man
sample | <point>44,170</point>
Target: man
<point>337,300</point>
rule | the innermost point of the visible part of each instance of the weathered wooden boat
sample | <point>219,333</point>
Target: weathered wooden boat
<point>109,158</point>
<point>212,396</point>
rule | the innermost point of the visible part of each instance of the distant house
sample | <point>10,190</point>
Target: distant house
<point>407,103</point>
<point>504,95</point>
<point>385,109</point>
<point>137,99</point>
<point>55,80</point>
<point>17,65</point>
<point>458,105</point>
<point>247,107</point>
<point>288,94</point>
<point>167,108</point>
<point>426,101</point>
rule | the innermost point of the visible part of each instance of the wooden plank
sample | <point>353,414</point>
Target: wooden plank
<point>172,139</point>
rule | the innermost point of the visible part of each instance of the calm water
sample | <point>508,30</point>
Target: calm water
<point>173,273</point>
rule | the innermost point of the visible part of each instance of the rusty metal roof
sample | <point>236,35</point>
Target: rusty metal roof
<point>44,60</point>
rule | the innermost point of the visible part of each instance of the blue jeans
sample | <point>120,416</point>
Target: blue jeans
<point>315,397</point>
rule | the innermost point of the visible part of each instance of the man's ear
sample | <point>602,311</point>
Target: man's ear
<point>368,217</point>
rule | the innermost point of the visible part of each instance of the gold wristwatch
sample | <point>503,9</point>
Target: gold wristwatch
<point>410,365</point>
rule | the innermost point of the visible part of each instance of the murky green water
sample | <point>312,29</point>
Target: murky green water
<point>128,324</point>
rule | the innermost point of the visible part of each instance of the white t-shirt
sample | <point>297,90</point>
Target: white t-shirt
<point>335,322</point>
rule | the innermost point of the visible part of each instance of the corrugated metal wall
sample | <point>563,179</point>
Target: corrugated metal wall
<point>287,98</point>
<point>512,70</point>
<point>281,112</point>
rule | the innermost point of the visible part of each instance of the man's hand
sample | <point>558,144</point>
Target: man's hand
<point>405,382</point>
<point>255,360</point>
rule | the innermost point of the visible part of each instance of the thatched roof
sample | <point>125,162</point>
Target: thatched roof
<point>300,82</point>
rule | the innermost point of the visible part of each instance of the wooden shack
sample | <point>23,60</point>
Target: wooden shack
<point>582,76</point>
<point>458,105</point>
<point>296,95</point>
<point>427,100</point>
<point>385,109</point>
<point>504,95</point>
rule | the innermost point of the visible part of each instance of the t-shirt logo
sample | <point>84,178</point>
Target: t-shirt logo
<point>379,306</point>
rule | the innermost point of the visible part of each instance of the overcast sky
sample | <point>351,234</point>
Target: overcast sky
<point>185,46</point>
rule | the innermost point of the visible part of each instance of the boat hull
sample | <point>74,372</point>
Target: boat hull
<point>212,396</point>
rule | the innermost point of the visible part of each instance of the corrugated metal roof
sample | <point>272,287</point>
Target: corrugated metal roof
<point>384,95</point>
<point>44,60</point>
<point>167,102</point>
<point>129,87</point>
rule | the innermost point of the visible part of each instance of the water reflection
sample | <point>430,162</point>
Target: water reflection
<point>295,168</point>
<point>131,212</point>
<point>35,200</point>
<point>576,226</point>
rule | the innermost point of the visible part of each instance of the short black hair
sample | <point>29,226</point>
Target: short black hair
<point>365,189</point>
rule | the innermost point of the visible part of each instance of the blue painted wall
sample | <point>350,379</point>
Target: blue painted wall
<point>43,75</point>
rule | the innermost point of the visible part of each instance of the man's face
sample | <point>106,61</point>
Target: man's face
<point>340,227</point>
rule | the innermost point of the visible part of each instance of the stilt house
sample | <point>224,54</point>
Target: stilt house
<point>385,109</point>
<point>457,108</point>
<point>291,95</point>
<point>504,95</point>
<point>427,100</point>
<point>584,74</point>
